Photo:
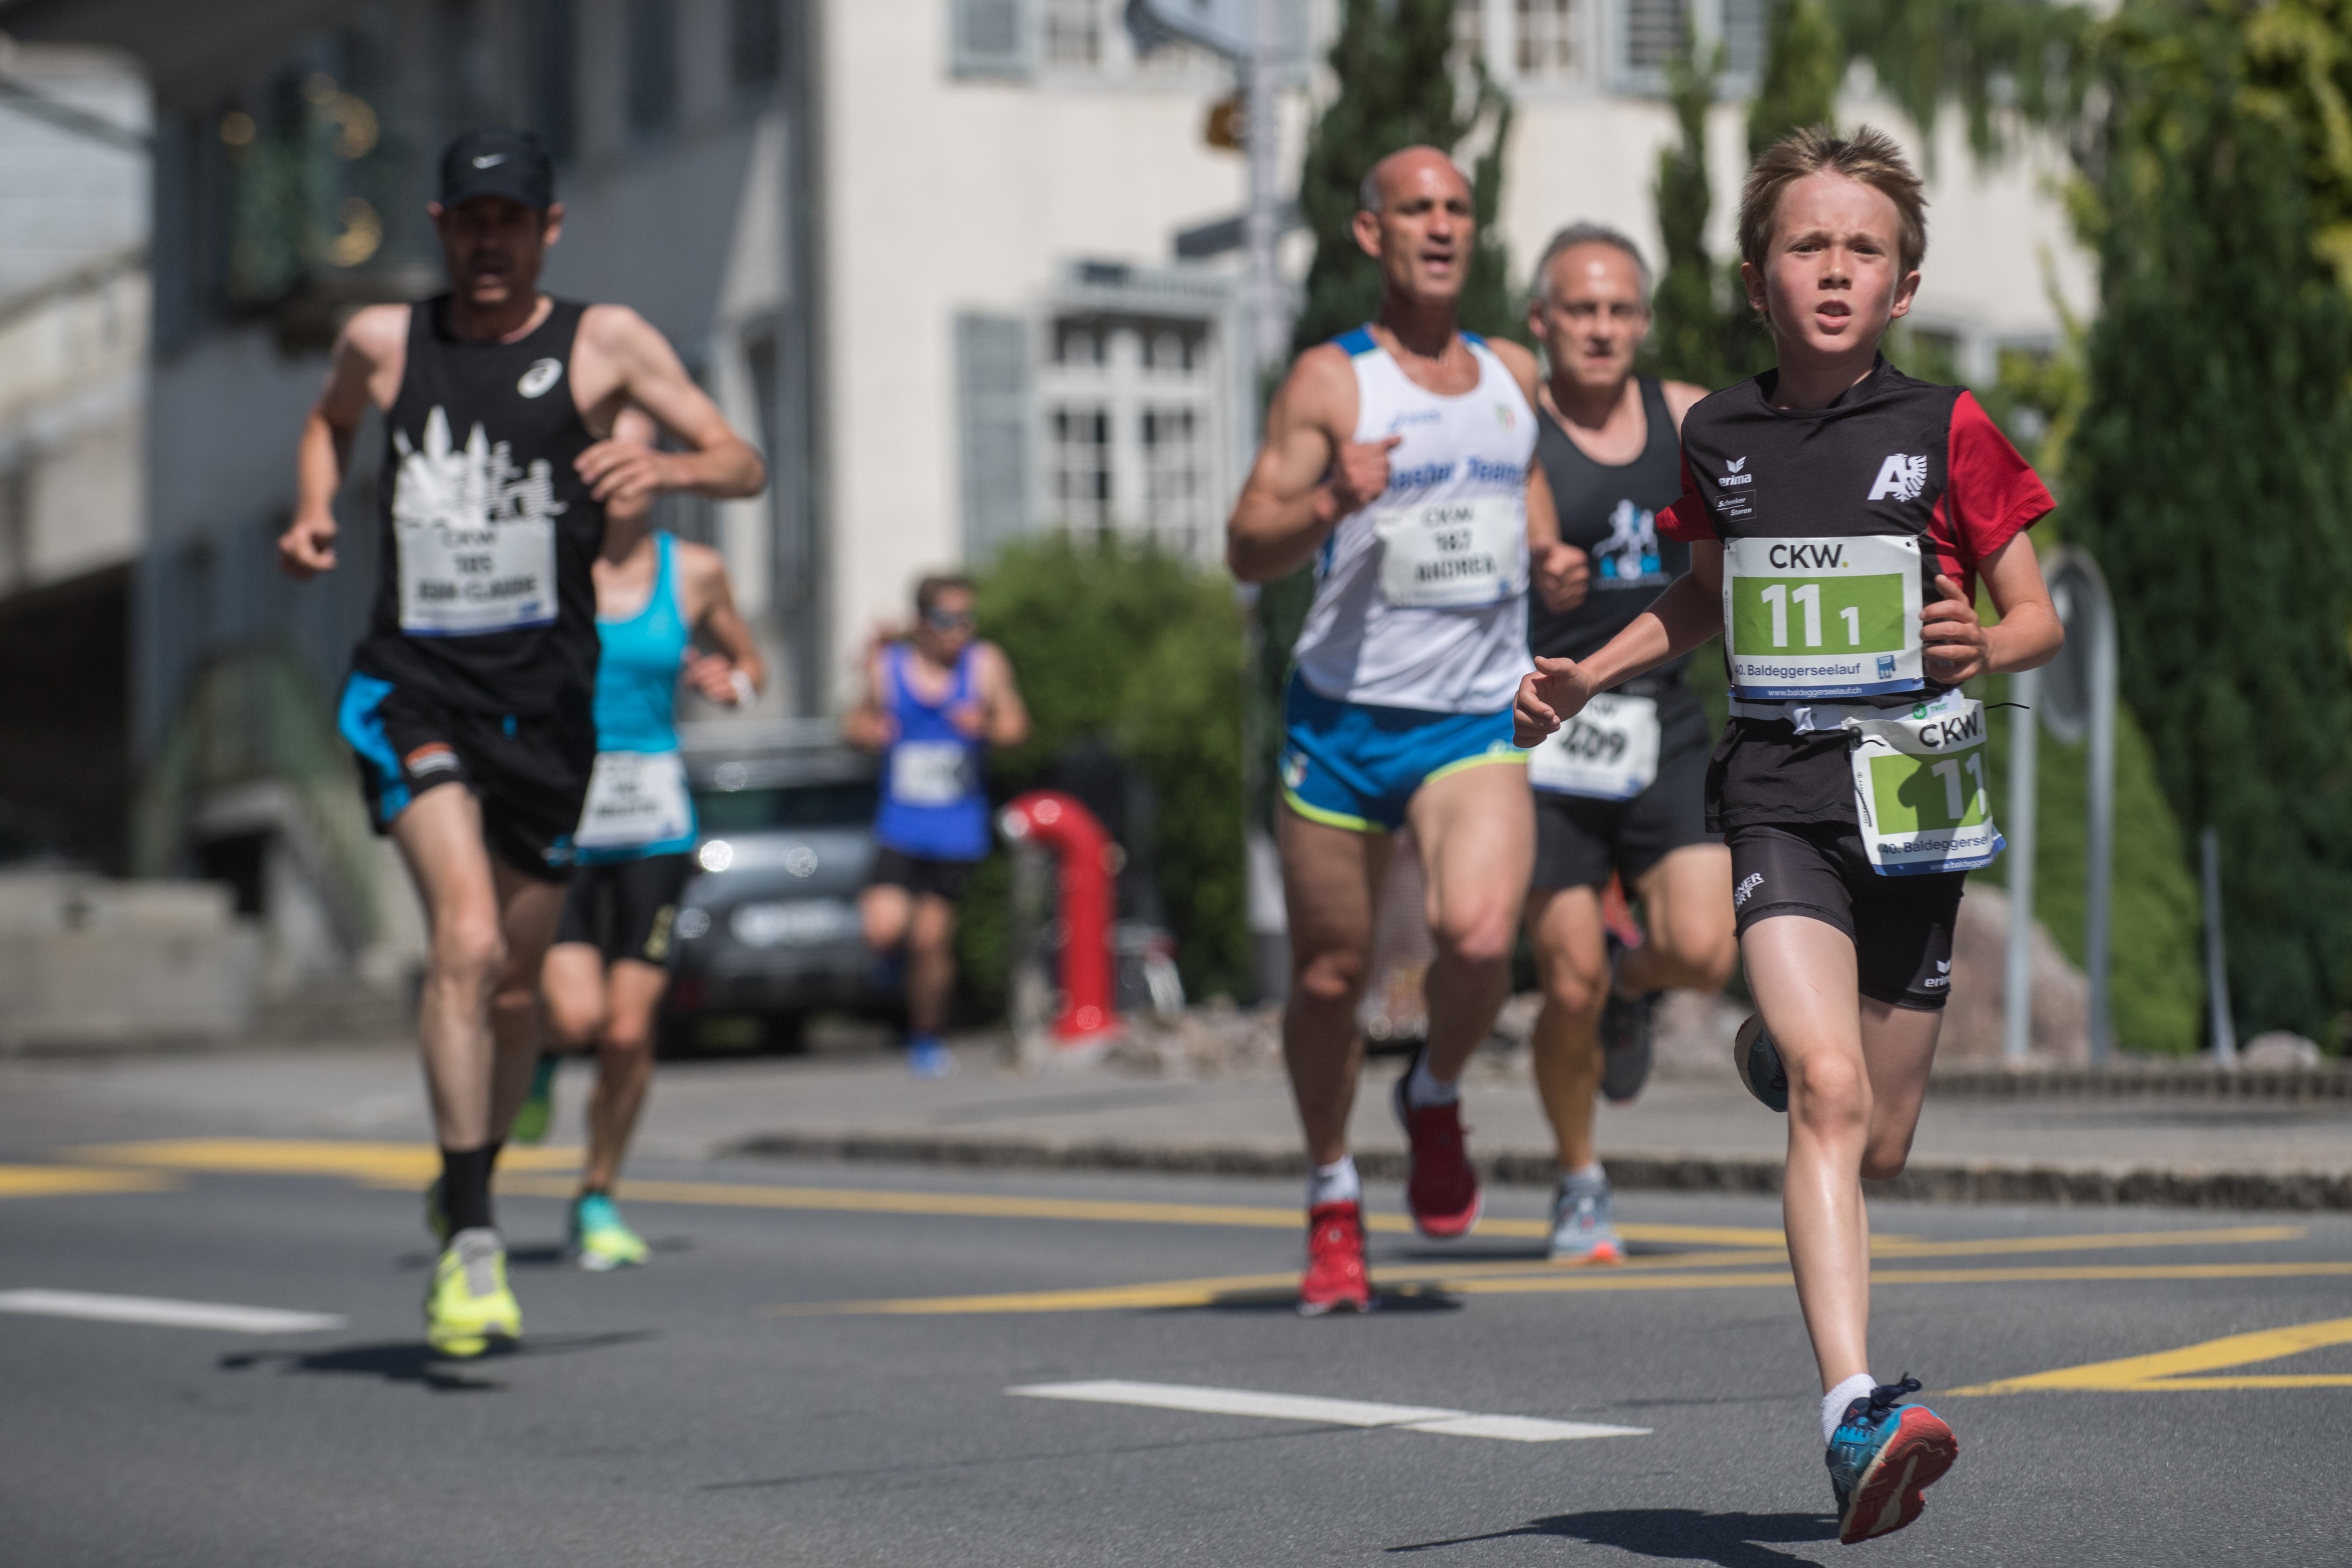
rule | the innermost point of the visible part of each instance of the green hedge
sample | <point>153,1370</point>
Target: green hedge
<point>1118,639</point>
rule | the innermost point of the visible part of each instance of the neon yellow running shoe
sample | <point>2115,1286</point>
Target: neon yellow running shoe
<point>467,1307</point>
<point>599,1240</point>
<point>539,1106</point>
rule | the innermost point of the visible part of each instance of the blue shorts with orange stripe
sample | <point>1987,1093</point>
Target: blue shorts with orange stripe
<point>1352,765</point>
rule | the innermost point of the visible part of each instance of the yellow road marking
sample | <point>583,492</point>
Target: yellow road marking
<point>1537,1280</point>
<point>61,1180</point>
<point>2171,1370</point>
<point>2235,1235</point>
<point>382,1164</point>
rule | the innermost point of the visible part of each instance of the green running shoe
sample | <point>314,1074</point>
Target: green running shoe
<point>468,1308</point>
<point>539,1107</point>
<point>599,1240</point>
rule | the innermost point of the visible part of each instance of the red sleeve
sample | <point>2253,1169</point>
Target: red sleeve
<point>1686,520</point>
<point>1992,494</point>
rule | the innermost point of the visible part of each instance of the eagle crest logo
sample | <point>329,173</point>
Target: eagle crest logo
<point>1900,478</point>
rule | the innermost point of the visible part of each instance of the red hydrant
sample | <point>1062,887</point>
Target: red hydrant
<point>1083,854</point>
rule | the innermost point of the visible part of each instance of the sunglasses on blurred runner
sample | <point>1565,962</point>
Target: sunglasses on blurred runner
<point>950,620</point>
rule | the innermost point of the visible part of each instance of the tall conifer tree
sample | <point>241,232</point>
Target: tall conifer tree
<point>2210,479</point>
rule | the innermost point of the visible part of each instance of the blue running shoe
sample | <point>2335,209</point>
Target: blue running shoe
<point>1759,1062</point>
<point>926,1058</point>
<point>1883,1458</point>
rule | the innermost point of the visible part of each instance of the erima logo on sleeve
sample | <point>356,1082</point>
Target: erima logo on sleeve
<point>1900,478</point>
<point>1732,474</point>
<point>542,374</point>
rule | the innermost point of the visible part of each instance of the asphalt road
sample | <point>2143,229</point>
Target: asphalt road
<point>815,1370</point>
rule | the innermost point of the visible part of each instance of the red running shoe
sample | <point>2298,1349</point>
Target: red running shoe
<point>1335,1261</point>
<point>1442,1190</point>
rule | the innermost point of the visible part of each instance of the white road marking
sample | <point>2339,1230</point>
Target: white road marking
<point>1325,1412</point>
<point>168,1314</point>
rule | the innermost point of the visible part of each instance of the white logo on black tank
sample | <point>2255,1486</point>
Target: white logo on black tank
<point>542,374</point>
<point>1630,555</point>
<point>475,535</point>
<point>1900,478</point>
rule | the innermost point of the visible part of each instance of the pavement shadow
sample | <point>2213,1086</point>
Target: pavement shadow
<point>1673,1534</point>
<point>415,1362</point>
<point>1284,1301</point>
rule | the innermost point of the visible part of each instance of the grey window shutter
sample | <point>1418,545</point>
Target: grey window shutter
<point>1652,34</point>
<point>989,37</point>
<point>993,409</point>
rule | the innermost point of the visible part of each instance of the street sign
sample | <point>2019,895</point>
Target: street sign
<point>1228,27</point>
<point>2080,596</point>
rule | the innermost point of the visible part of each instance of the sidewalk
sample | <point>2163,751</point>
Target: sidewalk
<point>1688,1134</point>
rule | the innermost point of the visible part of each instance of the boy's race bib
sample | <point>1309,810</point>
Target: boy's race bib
<point>1451,554</point>
<point>1919,788</point>
<point>1822,618</point>
<point>1608,751</point>
<point>636,798</point>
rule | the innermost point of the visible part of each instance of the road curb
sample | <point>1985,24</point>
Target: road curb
<point>2087,1185</point>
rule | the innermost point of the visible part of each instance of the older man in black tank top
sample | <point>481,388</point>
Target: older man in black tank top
<point>480,664</point>
<point>1623,792</point>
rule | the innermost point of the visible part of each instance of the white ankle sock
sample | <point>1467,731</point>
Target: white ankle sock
<point>1592,1172</point>
<point>1424,1088</point>
<point>1835,1402</point>
<point>1335,1182</point>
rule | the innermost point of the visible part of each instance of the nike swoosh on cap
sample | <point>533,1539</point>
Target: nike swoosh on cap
<point>489,160</point>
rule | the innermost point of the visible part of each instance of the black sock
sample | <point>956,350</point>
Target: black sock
<point>466,1187</point>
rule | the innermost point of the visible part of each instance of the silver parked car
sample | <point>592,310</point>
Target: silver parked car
<point>768,930</point>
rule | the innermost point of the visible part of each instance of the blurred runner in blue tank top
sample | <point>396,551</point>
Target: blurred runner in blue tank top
<point>935,702</point>
<point>656,595</point>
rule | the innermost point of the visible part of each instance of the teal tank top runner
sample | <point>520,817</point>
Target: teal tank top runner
<point>637,801</point>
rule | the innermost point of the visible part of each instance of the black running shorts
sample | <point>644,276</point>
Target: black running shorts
<point>1901,927</point>
<point>1580,840</point>
<point>624,909</point>
<point>529,771</point>
<point>920,875</point>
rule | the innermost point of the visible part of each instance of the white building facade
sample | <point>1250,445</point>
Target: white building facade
<point>964,268</point>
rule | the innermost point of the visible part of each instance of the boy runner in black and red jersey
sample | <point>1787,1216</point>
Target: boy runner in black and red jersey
<point>1619,790</point>
<point>480,664</point>
<point>1840,516</point>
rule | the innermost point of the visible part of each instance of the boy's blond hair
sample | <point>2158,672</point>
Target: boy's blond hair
<point>1868,155</point>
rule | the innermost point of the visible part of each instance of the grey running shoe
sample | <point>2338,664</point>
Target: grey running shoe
<point>1759,1062</point>
<point>1583,1222</point>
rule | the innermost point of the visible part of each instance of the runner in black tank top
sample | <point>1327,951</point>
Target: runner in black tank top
<point>1619,792</point>
<point>1840,514</point>
<point>478,669</point>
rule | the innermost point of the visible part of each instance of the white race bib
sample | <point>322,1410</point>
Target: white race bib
<point>1608,751</point>
<point>1822,617</point>
<point>1920,790</point>
<point>929,773</point>
<point>633,798</point>
<point>474,535</point>
<point>1451,554</point>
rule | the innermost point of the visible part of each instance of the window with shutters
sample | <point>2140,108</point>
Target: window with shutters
<point>988,37</point>
<point>1129,421</point>
<point>992,377</point>
<point>1073,33</point>
<point>1652,34</point>
<point>1547,43</point>
<point>1469,34</point>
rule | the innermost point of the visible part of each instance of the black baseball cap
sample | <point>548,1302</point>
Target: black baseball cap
<point>495,163</point>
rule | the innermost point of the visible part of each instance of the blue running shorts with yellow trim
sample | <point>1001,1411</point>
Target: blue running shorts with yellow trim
<point>1352,765</point>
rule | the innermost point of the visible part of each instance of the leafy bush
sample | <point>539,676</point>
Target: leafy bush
<point>1119,641</point>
